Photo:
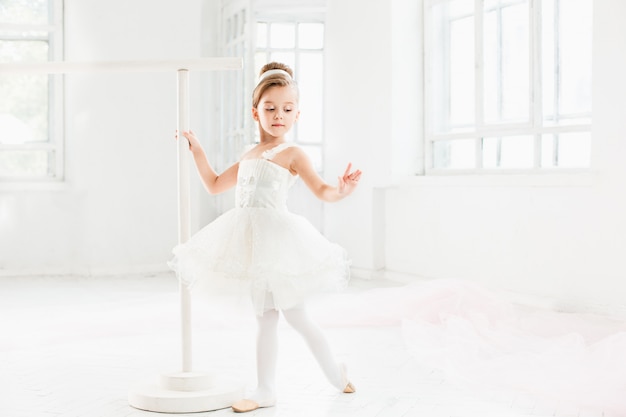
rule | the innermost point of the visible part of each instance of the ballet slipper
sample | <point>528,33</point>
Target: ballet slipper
<point>246,405</point>
<point>348,387</point>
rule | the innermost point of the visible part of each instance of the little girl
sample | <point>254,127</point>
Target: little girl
<point>280,256</point>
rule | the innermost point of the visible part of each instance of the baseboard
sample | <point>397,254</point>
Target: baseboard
<point>81,271</point>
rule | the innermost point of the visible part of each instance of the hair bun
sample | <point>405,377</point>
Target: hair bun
<point>276,66</point>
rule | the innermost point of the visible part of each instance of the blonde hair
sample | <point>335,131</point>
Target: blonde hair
<point>274,79</point>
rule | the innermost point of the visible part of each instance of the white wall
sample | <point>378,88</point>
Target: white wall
<point>372,64</point>
<point>561,237</point>
<point>117,209</point>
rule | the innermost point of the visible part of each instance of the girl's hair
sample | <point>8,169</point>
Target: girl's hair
<point>275,79</point>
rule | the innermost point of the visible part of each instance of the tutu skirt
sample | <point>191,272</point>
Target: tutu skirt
<point>264,251</point>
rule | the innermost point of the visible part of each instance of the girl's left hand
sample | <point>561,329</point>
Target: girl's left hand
<point>347,184</point>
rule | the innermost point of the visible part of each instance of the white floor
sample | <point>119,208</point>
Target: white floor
<point>72,347</point>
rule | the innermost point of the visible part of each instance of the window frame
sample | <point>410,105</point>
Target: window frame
<point>55,144</point>
<point>534,126</point>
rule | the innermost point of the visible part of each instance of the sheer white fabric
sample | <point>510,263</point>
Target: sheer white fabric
<point>483,342</point>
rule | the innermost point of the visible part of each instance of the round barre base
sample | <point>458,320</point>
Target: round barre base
<point>185,393</point>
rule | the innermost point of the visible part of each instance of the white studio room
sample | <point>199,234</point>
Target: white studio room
<point>480,223</point>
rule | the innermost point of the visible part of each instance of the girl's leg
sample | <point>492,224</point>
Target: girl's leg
<point>299,319</point>
<point>266,356</point>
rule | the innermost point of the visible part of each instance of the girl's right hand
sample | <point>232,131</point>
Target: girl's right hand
<point>194,143</point>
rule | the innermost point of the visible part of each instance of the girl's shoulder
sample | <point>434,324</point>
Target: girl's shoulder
<point>272,152</point>
<point>254,151</point>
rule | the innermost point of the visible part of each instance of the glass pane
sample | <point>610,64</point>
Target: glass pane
<point>461,67</point>
<point>575,36</point>
<point>567,79</point>
<point>451,66</point>
<point>454,154</point>
<point>282,35</point>
<point>24,11</point>
<point>548,55</point>
<point>288,58</point>
<point>509,152</point>
<point>261,35</point>
<point>24,112</point>
<point>23,50</point>
<point>26,163</point>
<point>574,150</point>
<point>517,152</point>
<point>260,59</point>
<point>311,35</point>
<point>460,8</point>
<point>548,151</point>
<point>311,83</point>
<point>491,152</point>
<point>515,62</point>
<point>506,61</point>
<point>491,87</point>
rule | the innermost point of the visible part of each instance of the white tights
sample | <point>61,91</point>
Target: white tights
<point>267,350</point>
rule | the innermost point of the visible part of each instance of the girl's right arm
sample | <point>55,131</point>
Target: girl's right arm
<point>213,182</point>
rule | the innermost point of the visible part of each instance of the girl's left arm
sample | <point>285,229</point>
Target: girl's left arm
<point>346,184</point>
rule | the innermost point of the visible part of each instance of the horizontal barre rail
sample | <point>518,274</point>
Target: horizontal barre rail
<point>69,67</point>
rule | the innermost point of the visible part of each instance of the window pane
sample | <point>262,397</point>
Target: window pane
<point>567,61</point>
<point>288,58</point>
<point>575,53</point>
<point>548,55</point>
<point>515,62</point>
<point>462,72</point>
<point>548,151</point>
<point>24,12</point>
<point>454,154</point>
<point>451,66</point>
<point>261,35</point>
<point>311,35</point>
<point>26,163</point>
<point>282,35</point>
<point>506,61</point>
<point>459,8</point>
<point>574,150</point>
<point>491,67</point>
<point>25,113</point>
<point>23,50</point>
<point>260,59</point>
<point>310,82</point>
<point>508,152</point>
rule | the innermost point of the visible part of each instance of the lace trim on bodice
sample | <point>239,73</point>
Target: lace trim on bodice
<point>271,153</point>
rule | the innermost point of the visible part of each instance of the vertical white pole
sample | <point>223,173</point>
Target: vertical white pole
<point>184,226</point>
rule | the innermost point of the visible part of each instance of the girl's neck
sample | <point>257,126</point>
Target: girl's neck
<point>266,139</point>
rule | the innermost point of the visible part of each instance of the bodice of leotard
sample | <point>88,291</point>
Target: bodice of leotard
<point>262,183</point>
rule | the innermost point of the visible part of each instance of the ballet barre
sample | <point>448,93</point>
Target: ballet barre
<point>73,67</point>
<point>186,391</point>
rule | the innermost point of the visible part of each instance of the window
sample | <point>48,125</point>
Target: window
<point>508,85</point>
<point>299,44</point>
<point>30,109</point>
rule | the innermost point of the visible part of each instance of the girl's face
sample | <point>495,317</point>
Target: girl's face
<point>277,111</point>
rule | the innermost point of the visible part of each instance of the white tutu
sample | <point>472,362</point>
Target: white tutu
<point>262,247</point>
